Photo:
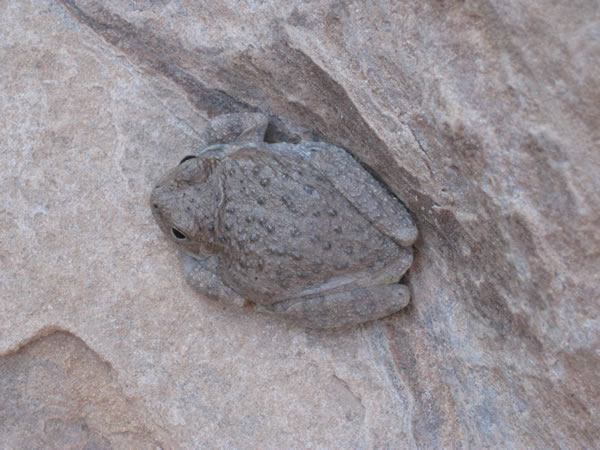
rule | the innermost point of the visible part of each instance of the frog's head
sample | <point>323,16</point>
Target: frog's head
<point>184,204</point>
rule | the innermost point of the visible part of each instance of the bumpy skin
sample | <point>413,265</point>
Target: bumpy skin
<point>297,230</point>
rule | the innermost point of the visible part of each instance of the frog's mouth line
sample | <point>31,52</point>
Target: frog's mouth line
<point>195,256</point>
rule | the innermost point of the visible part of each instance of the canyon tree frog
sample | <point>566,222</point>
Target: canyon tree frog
<point>297,230</point>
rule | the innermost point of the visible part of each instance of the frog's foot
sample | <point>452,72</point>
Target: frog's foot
<point>340,309</point>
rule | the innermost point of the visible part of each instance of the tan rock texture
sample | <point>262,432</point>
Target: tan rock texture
<point>481,116</point>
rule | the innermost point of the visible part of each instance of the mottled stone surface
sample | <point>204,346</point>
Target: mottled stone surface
<point>482,117</point>
<point>56,393</point>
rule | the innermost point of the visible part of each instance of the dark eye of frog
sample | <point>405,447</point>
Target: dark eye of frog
<point>178,234</point>
<point>186,158</point>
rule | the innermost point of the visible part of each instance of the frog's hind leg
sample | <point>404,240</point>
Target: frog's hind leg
<point>383,210</point>
<point>358,186</point>
<point>341,309</point>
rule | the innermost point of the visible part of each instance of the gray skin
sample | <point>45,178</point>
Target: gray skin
<point>297,230</point>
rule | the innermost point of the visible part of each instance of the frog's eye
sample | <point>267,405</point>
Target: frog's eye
<point>178,234</point>
<point>186,158</point>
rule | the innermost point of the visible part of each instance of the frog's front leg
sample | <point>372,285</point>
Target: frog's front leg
<point>236,127</point>
<point>201,274</point>
<point>343,308</point>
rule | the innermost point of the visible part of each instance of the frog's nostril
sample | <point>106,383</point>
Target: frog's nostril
<point>177,234</point>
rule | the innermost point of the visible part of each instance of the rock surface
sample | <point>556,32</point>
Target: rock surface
<point>482,117</point>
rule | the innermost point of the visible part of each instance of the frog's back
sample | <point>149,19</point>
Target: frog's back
<point>286,229</point>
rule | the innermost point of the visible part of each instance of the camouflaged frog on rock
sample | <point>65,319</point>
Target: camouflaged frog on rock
<point>298,230</point>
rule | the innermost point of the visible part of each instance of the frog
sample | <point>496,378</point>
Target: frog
<point>295,230</point>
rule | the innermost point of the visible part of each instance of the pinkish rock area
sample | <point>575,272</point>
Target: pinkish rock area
<point>483,117</point>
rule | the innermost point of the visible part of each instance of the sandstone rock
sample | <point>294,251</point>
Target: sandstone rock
<point>56,393</point>
<point>483,118</point>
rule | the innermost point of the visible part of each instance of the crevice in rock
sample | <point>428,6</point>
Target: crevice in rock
<point>153,53</point>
